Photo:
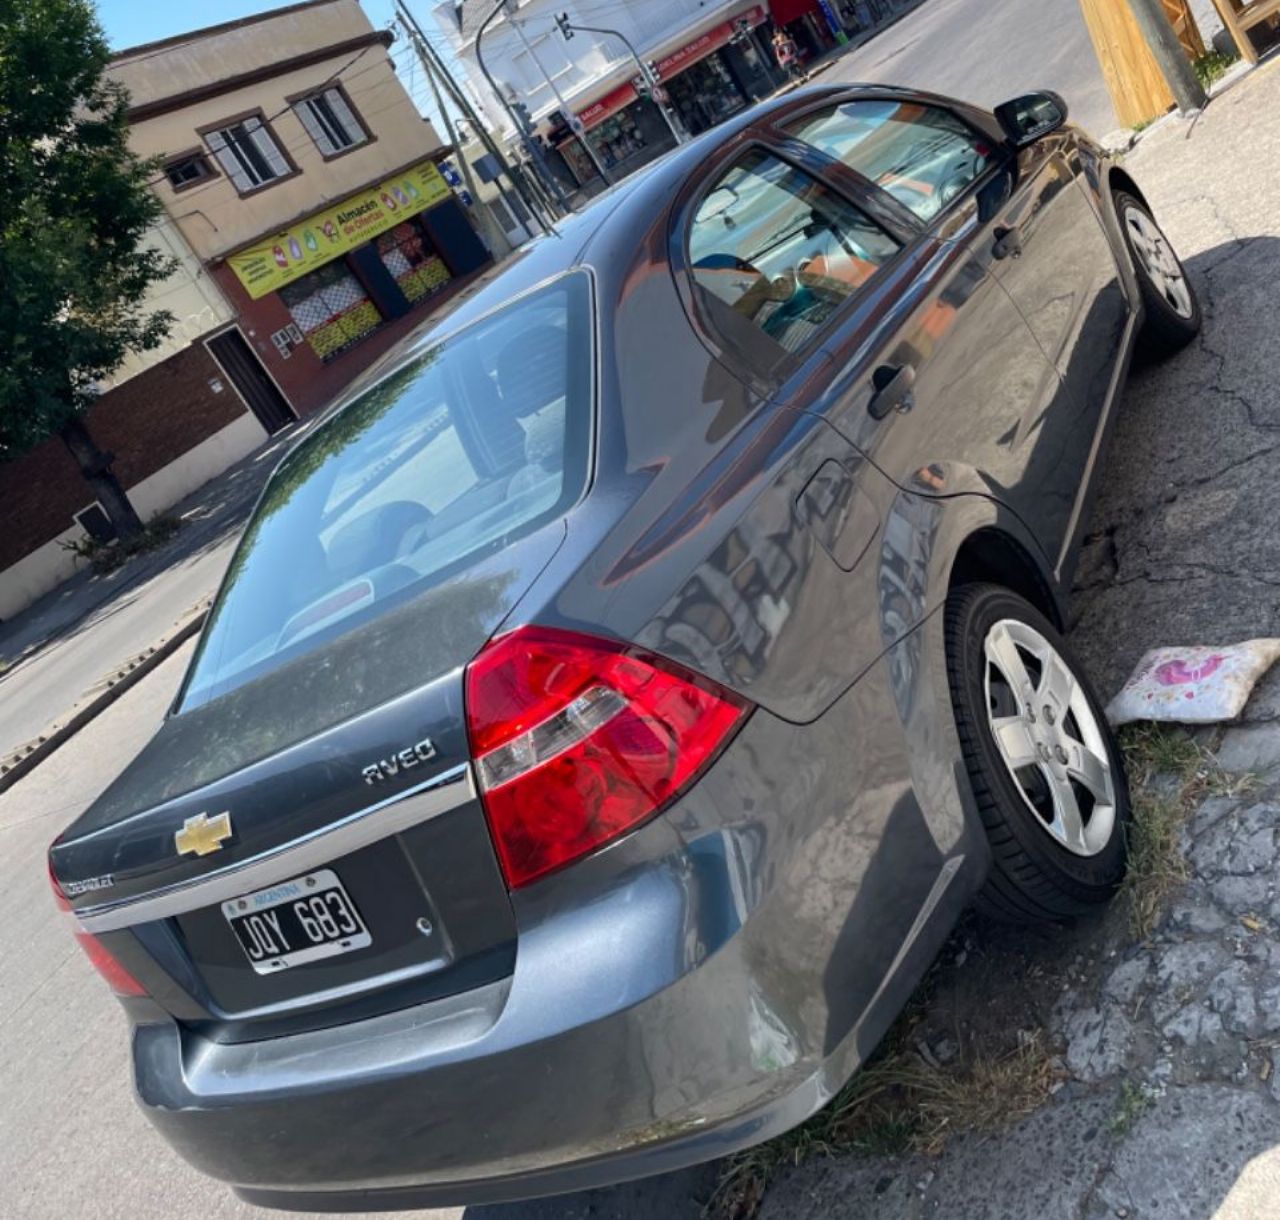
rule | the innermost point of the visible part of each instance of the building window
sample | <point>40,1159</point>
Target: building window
<point>331,308</point>
<point>330,121</point>
<point>412,260</point>
<point>248,152</point>
<point>186,169</point>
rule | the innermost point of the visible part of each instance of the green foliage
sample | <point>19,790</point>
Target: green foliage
<point>74,208</point>
<point>1210,68</point>
<point>1132,1102</point>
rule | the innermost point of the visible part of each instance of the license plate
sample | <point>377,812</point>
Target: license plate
<point>296,921</point>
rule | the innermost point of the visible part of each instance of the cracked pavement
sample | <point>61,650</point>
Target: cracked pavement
<point>1175,552</point>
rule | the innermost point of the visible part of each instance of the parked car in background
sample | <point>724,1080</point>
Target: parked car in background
<point>607,715</point>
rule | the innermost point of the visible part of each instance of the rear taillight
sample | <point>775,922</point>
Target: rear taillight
<point>579,740</point>
<point>100,957</point>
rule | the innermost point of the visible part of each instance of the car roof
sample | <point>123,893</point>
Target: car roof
<point>626,203</point>
<point>630,205</point>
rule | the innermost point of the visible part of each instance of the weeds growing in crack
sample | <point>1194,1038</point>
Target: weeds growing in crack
<point>1170,773</point>
<point>898,1103</point>
<point>1132,1102</point>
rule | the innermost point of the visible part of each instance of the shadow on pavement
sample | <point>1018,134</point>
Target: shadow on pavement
<point>671,1196</point>
<point>1181,547</point>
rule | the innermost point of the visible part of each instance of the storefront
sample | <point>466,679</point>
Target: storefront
<point>624,141</point>
<point>707,80</point>
<point>328,295</point>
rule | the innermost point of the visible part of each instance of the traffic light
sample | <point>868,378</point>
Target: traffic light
<point>521,112</point>
<point>565,28</point>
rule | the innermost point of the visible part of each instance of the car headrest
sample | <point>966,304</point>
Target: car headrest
<point>531,370</point>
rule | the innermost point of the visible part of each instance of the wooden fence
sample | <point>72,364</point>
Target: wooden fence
<point>1133,77</point>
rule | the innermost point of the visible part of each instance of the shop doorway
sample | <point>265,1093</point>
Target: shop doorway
<point>262,396</point>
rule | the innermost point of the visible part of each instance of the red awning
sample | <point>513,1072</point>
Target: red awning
<point>675,63</point>
<point>786,11</point>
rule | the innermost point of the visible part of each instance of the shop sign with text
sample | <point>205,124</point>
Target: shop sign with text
<point>278,260</point>
<point>672,65</point>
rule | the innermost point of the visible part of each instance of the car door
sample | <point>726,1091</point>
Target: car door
<point>1054,260</point>
<point>939,377</point>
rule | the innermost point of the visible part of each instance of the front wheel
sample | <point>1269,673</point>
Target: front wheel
<point>1173,309</point>
<point>1046,770</point>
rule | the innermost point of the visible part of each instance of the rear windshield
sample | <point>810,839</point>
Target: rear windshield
<point>478,441</point>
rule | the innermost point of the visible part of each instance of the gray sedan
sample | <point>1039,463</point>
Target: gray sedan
<point>607,715</point>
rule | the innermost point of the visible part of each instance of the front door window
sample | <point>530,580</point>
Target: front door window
<point>923,156</point>
<point>774,246</point>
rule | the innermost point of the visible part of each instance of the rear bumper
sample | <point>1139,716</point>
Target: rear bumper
<point>702,985</point>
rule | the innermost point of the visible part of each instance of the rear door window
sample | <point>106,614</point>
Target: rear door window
<point>476,442</point>
<point>772,246</point>
<point>924,156</point>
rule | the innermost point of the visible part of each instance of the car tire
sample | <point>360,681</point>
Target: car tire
<point>1046,863</point>
<point>1173,315</point>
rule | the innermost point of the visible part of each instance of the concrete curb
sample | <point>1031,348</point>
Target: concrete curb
<point>97,699</point>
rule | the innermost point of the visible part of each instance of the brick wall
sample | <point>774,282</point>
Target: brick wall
<point>147,422</point>
<point>156,417</point>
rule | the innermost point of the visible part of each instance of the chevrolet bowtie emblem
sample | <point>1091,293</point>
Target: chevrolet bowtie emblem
<point>202,835</point>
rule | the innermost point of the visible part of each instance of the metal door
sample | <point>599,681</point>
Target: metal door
<point>246,373</point>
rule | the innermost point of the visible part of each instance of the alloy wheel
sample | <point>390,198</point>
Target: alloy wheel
<point>1049,738</point>
<point>1159,262</point>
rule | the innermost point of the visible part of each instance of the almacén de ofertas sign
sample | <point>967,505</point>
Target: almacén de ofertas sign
<point>285,256</point>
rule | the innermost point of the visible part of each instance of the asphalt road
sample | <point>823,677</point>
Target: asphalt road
<point>988,51</point>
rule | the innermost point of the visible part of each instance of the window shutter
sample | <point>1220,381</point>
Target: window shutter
<point>266,145</point>
<point>229,161</point>
<point>342,112</point>
<point>314,129</point>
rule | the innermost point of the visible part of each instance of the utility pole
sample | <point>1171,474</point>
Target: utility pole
<point>648,72</point>
<point>1172,60</point>
<point>485,217</point>
<point>552,184</point>
<point>564,106</point>
<point>534,204</point>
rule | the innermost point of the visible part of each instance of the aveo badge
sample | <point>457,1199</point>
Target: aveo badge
<point>411,756</point>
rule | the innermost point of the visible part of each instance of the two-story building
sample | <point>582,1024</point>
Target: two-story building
<point>311,229</point>
<point>304,178</point>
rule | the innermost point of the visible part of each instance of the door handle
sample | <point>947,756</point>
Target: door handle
<point>1008,243</point>
<point>894,385</point>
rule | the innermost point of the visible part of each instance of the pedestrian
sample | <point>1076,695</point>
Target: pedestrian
<point>787,54</point>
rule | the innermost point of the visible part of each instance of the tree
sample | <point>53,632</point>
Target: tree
<point>75,207</point>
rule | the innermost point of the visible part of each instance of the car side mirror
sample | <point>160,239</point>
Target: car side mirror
<point>1031,117</point>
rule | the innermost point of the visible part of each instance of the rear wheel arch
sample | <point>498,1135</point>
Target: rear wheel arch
<point>993,556</point>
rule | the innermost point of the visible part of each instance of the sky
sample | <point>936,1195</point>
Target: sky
<point>131,22</point>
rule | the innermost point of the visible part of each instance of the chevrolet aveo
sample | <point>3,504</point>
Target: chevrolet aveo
<point>607,715</point>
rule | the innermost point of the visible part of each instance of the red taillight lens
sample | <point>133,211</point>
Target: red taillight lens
<point>100,957</point>
<point>578,740</point>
